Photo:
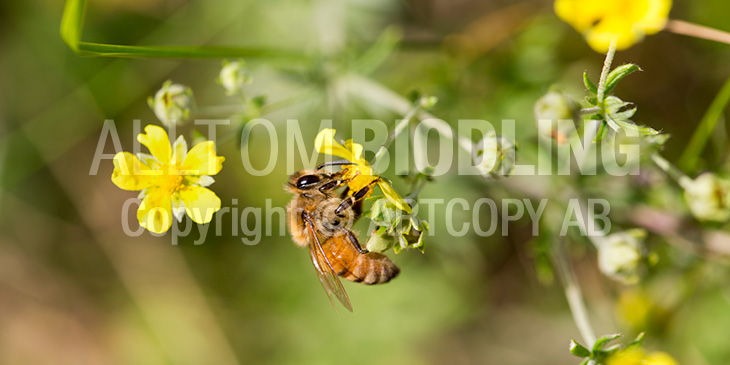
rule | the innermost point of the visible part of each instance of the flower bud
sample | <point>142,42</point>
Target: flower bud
<point>555,114</point>
<point>233,77</point>
<point>708,199</point>
<point>172,104</point>
<point>494,155</point>
<point>380,242</point>
<point>619,255</point>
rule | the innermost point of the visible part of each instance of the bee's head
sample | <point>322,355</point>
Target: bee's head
<point>307,180</point>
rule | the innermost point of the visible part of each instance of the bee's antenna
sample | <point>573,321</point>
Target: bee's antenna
<point>335,163</point>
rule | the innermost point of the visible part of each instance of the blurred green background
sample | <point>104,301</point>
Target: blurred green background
<point>74,289</point>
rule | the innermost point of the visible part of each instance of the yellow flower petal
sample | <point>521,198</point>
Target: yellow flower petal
<point>155,212</point>
<point>625,21</point>
<point>581,14</point>
<point>659,358</point>
<point>130,173</point>
<point>356,150</point>
<point>179,150</point>
<point>655,18</point>
<point>620,30</point>
<point>630,356</point>
<point>156,140</point>
<point>202,160</point>
<point>325,143</point>
<point>149,160</point>
<point>358,181</point>
<point>200,203</point>
<point>393,196</point>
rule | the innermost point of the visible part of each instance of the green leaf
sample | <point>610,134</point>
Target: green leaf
<point>624,115</point>
<point>592,100</point>
<point>121,51</point>
<point>602,133</point>
<point>72,22</point>
<point>578,349</point>
<point>688,161</point>
<point>589,85</point>
<point>618,109</point>
<point>604,340</point>
<point>638,341</point>
<point>618,74</point>
<point>611,349</point>
<point>379,51</point>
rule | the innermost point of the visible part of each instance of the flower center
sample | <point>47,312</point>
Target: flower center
<point>170,182</point>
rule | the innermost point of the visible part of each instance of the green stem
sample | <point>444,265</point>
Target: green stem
<point>573,295</point>
<point>696,145</point>
<point>606,70</point>
<point>266,109</point>
<point>378,94</point>
<point>400,127</point>
<point>180,52</point>
<point>683,180</point>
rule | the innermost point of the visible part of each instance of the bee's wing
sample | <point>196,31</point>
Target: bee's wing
<point>330,281</point>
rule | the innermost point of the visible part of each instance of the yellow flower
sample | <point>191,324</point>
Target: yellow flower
<point>634,309</point>
<point>603,21</point>
<point>659,358</point>
<point>361,174</point>
<point>636,356</point>
<point>173,180</point>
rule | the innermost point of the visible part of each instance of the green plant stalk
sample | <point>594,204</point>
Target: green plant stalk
<point>673,172</point>
<point>573,295</point>
<point>694,149</point>
<point>370,90</point>
<point>400,127</point>
<point>601,95</point>
<point>123,51</point>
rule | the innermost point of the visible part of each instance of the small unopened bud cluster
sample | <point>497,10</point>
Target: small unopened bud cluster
<point>233,77</point>
<point>708,198</point>
<point>620,255</point>
<point>396,229</point>
<point>555,115</point>
<point>172,104</point>
<point>494,155</point>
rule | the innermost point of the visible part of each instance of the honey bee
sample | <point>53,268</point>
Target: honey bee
<point>320,219</point>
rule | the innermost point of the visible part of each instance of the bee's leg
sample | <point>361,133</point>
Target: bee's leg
<point>354,242</point>
<point>337,182</point>
<point>354,198</point>
<point>357,206</point>
<point>335,163</point>
<point>334,184</point>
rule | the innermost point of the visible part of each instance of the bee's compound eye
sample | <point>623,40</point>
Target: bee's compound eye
<point>307,181</point>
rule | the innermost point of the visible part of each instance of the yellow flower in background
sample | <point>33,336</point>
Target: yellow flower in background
<point>659,358</point>
<point>634,309</point>
<point>361,174</point>
<point>172,179</point>
<point>625,21</point>
<point>636,356</point>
